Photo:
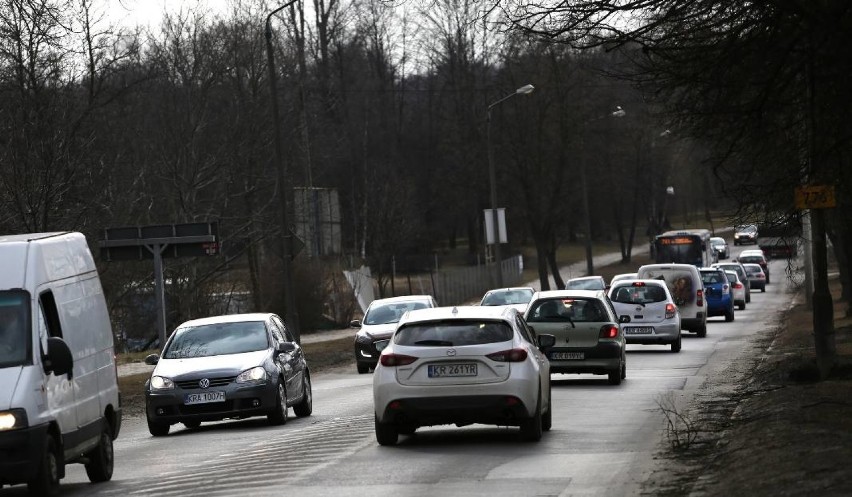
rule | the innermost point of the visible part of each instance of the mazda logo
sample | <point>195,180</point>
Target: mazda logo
<point>204,383</point>
<point>451,352</point>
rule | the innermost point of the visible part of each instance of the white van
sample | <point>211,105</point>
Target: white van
<point>687,289</point>
<point>59,400</point>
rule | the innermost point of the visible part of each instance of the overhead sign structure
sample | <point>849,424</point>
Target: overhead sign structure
<point>156,242</point>
<point>815,197</point>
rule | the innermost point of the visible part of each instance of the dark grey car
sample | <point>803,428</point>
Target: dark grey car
<point>222,367</point>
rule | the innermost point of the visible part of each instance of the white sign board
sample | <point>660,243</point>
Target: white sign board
<point>489,225</point>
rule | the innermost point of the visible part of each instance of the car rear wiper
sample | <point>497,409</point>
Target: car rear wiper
<point>437,343</point>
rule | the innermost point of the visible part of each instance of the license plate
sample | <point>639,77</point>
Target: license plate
<point>634,330</point>
<point>203,398</point>
<point>566,356</point>
<point>451,370</point>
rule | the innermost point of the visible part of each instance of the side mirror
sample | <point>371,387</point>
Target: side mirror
<point>355,323</point>
<point>285,347</point>
<point>381,345</point>
<point>546,341</point>
<point>624,319</point>
<point>152,360</point>
<point>59,358</point>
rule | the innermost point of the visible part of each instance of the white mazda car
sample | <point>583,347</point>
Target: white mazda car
<point>462,365</point>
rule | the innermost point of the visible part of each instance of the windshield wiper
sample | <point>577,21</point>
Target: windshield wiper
<point>437,343</point>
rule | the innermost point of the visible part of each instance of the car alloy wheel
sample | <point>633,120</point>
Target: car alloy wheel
<point>305,407</point>
<point>531,427</point>
<point>278,416</point>
<point>386,433</point>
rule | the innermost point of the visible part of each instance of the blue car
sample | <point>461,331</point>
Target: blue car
<point>717,292</point>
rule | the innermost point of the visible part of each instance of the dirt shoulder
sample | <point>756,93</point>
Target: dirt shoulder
<point>780,431</point>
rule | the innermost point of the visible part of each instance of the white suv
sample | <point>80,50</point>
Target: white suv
<point>653,315</point>
<point>462,365</point>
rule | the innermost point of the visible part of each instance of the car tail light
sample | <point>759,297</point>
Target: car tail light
<point>671,310</point>
<point>511,355</point>
<point>760,276</point>
<point>638,283</point>
<point>393,360</point>
<point>725,290</point>
<point>738,285</point>
<point>699,298</point>
<point>608,331</point>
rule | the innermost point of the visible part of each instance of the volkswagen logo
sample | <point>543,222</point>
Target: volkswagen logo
<point>451,352</point>
<point>204,383</point>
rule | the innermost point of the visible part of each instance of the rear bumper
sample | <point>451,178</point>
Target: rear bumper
<point>503,410</point>
<point>663,333</point>
<point>600,359</point>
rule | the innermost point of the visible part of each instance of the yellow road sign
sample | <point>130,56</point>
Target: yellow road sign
<point>815,197</point>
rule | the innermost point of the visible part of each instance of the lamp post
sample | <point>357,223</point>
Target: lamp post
<point>492,177</point>
<point>291,316</point>
<point>587,214</point>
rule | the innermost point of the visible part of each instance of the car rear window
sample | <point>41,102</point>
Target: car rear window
<point>647,294</point>
<point>713,277</point>
<point>590,284</point>
<point>217,339</point>
<point>753,269</point>
<point>508,297</point>
<point>567,310</point>
<point>756,259</point>
<point>453,333</point>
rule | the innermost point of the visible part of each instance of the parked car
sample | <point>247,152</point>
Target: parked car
<point>379,323</point>
<point>654,318</point>
<point>737,289</point>
<point>462,365</point>
<point>720,245</point>
<point>586,283</point>
<point>741,273</point>
<point>756,277</point>
<point>621,277</point>
<point>517,297</point>
<point>233,366</point>
<point>687,290</point>
<point>587,330</point>
<point>745,234</point>
<point>755,257</point>
<point>717,291</point>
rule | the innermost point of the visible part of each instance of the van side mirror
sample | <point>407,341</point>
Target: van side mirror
<point>546,341</point>
<point>624,319</point>
<point>152,359</point>
<point>355,323</point>
<point>59,358</point>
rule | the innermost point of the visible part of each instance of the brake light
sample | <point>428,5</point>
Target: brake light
<point>608,331</point>
<point>760,276</point>
<point>638,283</point>
<point>738,285</point>
<point>671,310</point>
<point>393,360</point>
<point>511,355</point>
<point>725,290</point>
<point>699,298</point>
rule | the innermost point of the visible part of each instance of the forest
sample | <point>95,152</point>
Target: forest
<point>733,104</point>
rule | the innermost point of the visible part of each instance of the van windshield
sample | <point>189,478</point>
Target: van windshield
<point>15,343</point>
<point>217,339</point>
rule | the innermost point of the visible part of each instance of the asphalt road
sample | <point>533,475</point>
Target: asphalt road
<point>602,443</point>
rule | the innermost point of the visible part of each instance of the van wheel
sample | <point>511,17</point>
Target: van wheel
<point>278,415</point>
<point>101,459</point>
<point>386,433</point>
<point>158,429</point>
<point>305,407</point>
<point>676,345</point>
<point>702,332</point>
<point>46,480</point>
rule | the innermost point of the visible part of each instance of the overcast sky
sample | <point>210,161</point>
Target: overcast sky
<point>150,12</point>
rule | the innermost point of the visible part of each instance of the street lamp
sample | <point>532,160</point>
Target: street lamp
<point>291,317</point>
<point>587,215</point>
<point>492,176</point>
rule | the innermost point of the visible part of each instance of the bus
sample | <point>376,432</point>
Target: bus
<point>685,247</point>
